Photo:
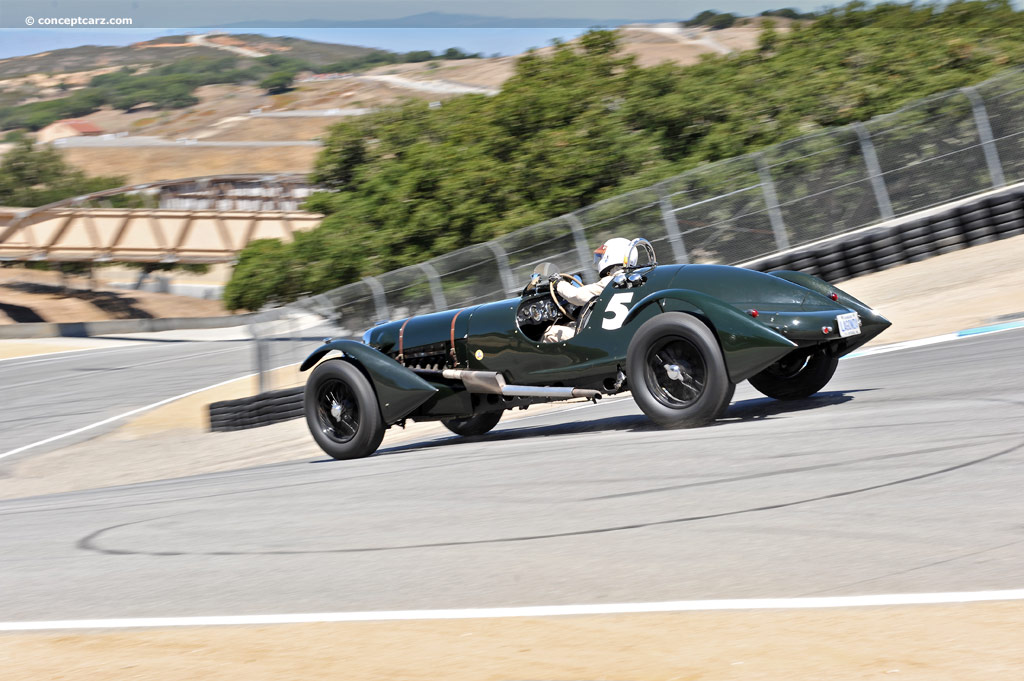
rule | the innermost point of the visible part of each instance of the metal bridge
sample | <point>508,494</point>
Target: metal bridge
<point>191,220</point>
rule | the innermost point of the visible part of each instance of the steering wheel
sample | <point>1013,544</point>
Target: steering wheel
<point>553,290</point>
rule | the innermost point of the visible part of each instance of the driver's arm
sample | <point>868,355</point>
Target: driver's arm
<point>579,295</point>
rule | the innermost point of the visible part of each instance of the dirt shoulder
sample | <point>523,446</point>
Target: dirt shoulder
<point>976,642</point>
<point>28,296</point>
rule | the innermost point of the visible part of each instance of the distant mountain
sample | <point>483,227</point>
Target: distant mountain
<point>168,49</point>
<point>442,20</point>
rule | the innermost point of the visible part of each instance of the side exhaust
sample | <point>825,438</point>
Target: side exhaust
<point>493,383</point>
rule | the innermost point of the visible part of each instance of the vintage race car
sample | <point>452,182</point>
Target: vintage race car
<point>679,337</point>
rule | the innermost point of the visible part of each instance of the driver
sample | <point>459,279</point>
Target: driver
<point>609,259</point>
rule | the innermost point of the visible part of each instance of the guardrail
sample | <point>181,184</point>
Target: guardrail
<point>952,145</point>
<point>953,226</point>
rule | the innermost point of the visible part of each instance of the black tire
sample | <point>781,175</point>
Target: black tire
<point>342,412</point>
<point>699,391</point>
<point>887,250</point>
<point>795,377</point>
<point>975,215</point>
<point>478,424</point>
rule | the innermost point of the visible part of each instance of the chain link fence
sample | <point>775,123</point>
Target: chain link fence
<point>933,151</point>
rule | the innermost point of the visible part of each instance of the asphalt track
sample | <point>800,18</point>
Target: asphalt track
<point>43,396</point>
<point>904,475</point>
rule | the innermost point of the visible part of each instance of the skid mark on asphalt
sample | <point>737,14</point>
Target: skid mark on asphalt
<point>91,542</point>
<point>783,471</point>
<point>916,568</point>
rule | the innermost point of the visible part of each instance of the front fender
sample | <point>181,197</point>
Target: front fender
<point>747,345</point>
<point>399,391</point>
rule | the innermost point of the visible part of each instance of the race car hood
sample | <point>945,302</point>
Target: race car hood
<point>419,331</point>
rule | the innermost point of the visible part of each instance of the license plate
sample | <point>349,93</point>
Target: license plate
<point>849,324</point>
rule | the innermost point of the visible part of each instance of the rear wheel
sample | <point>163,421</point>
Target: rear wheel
<point>677,373</point>
<point>342,411</point>
<point>796,376</point>
<point>478,424</point>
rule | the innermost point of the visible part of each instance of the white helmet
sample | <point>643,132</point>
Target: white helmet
<point>617,251</point>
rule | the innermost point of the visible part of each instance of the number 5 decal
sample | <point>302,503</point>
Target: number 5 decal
<point>619,307</point>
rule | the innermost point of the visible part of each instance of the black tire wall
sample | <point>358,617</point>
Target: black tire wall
<point>978,221</point>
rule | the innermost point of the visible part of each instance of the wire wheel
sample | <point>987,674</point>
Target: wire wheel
<point>676,372</point>
<point>796,376</point>
<point>337,411</point>
<point>342,411</point>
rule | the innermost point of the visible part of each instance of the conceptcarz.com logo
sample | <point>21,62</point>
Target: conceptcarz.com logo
<point>78,21</point>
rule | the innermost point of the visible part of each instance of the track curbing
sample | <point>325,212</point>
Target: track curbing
<point>803,603</point>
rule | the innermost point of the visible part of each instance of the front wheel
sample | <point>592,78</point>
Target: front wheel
<point>677,373</point>
<point>342,411</point>
<point>795,376</point>
<point>478,424</point>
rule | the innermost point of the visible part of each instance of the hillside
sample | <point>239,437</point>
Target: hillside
<point>223,112</point>
<point>169,49</point>
<point>582,123</point>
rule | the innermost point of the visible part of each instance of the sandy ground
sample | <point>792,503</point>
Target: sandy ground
<point>958,290</point>
<point>35,296</point>
<point>977,642</point>
<point>26,347</point>
<point>149,164</point>
<point>927,643</point>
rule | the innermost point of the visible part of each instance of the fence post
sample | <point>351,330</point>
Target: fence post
<point>675,239</point>
<point>436,292</point>
<point>772,202</point>
<point>260,359</point>
<point>379,301</point>
<point>582,250</point>
<point>504,269</point>
<point>867,148</point>
<point>995,168</point>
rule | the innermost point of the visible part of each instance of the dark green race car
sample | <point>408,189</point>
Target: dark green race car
<point>679,337</point>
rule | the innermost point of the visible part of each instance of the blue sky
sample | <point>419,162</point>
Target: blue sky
<point>14,42</point>
<point>16,39</point>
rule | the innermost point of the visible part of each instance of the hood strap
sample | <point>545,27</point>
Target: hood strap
<point>401,342</point>
<point>454,356</point>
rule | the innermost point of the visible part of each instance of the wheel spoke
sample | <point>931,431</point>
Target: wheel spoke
<point>677,372</point>
<point>348,424</point>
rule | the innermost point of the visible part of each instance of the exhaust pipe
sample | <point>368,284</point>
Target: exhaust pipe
<point>493,383</point>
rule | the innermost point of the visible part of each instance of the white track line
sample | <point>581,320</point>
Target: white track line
<point>126,414</point>
<point>933,340</point>
<point>529,611</point>
<point>45,356</point>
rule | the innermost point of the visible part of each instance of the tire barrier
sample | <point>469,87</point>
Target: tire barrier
<point>264,409</point>
<point>999,215</point>
<point>118,326</point>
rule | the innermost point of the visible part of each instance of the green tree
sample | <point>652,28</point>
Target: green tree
<point>768,39</point>
<point>266,272</point>
<point>720,21</point>
<point>35,176</point>
<point>702,18</point>
<point>278,82</point>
